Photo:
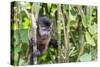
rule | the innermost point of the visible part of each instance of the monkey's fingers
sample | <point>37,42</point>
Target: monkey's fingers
<point>37,53</point>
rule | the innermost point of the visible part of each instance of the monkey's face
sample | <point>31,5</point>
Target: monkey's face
<point>44,24</point>
<point>44,32</point>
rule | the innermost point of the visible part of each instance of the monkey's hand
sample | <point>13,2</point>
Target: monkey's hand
<point>37,53</point>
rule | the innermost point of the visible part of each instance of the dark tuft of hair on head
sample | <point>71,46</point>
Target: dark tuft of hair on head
<point>44,20</point>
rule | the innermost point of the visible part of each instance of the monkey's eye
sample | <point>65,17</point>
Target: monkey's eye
<point>44,29</point>
<point>49,29</point>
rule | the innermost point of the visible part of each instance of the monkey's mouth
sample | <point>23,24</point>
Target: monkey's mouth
<point>45,37</point>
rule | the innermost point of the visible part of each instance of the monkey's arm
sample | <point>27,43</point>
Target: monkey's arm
<point>43,48</point>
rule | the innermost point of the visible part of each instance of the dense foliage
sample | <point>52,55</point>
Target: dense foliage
<point>74,27</point>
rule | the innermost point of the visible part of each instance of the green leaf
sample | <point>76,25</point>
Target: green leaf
<point>85,21</point>
<point>22,61</point>
<point>85,57</point>
<point>16,39</point>
<point>24,35</point>
<point>94,11</point>
<point>14,26</point>
<point>89,39</point>
<point>53,8</point>
<point>49,7</point>
<point>52,50</point>
<point>17,48</point>
<point>72,17</point>
<point>28,6</point>
<point>93,54</point>
<point>66,7</point>
<point>73,12</point>
<point>73,23</point>
<point>43,56</point>
<point>91,29</point>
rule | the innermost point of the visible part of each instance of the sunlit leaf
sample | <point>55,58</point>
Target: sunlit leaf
<point>44,55</point>
<point>72,17</point>
<point>53,10</point>
<point>85,57</point>
<point>28,5</point>
<point>15,26</point>
<point>26,23</point>
<point>21,62</point>
<point>92,28</point>
<point>89,39</point>
<point>51,49</point>
<point>72,23</point>
<point>94,54</point>
<point>49,7</point>
<point>85,21</point>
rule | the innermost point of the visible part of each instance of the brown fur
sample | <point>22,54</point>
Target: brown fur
<point>42,43</point>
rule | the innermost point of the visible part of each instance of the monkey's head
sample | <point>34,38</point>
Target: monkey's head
<point>43,24</point>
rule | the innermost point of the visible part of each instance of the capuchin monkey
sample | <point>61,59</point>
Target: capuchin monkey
<point>44,39</point>
<point>43,36</point>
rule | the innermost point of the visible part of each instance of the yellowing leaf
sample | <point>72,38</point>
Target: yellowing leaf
<point>15,26</point>
<point>26,23</point>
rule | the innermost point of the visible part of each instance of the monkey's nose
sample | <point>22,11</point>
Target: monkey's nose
<point>45,36</point>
